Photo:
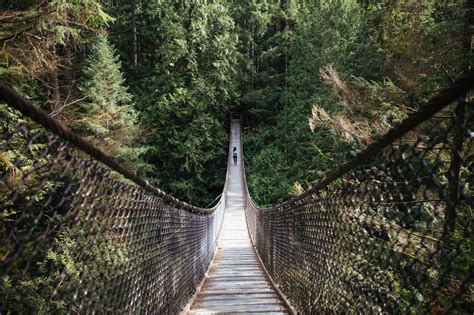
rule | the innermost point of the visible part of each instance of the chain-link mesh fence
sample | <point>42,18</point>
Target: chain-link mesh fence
<point>392,234</point>
<point>76,238</point>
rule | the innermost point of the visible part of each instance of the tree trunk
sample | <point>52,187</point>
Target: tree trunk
<point>68,72</point>
<point>468,32</point>
<point>134,35</point>
<point>54,94</point>
<point>455,168</point>
<point>454,188</point>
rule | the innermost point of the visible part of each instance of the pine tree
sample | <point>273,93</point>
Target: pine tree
<point>108,118</point>
<point>188,57</point>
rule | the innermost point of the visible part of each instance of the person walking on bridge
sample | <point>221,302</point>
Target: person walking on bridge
<point>234,155</point>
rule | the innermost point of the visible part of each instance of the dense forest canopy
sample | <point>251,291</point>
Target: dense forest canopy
<point>154,82</point>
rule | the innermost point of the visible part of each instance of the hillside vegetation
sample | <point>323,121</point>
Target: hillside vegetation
<point>154,82</point>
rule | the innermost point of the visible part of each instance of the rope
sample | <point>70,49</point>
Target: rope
<point>13,99</point>
<point>457,90</point>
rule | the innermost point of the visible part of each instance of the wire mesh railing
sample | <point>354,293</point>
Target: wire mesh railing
<point>76,238</point>
<point>390,231</point>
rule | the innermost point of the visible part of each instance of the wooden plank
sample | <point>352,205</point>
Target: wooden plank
<point>226,284</point>
<point>240,290</point>
<point>230,268</point>
<point>235,271</point>
<point>237,259</point>
<point>239,308</point>
<point>241,312</point>
<point>235,284</point>
<point>236,264</point>
<point>235,292</point>
<point>237,277</point>
<point>237,281</point>
<point>249,271</point>
<point>230,296</point>
<point>241,301</point>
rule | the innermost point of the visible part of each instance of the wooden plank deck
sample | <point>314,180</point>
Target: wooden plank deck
<point>236,282</point>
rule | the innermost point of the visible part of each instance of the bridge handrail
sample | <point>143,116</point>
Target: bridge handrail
<point>15,100</point>
<point>457,90</point>
<point>387,232</point>
<point>74,237</point>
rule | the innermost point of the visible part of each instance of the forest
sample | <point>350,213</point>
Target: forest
<point>153,83</point>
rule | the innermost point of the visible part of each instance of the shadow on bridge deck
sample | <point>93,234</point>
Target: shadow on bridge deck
<point>236,281</point>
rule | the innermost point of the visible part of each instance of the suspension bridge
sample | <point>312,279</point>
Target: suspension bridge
<point>390,231</point>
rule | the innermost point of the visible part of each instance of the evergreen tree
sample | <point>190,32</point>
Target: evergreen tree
<point>354,67</point>
<point>110,119</point>
<point>189,64</point>
<point>42,47</point>
<point>188,52</point>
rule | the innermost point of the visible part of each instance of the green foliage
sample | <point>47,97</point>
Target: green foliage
<point>62,271</point>
<point>104,83</point>
<point>315,82</point>
<point>43,239</point>
<point>364,64</point>
<point>37,34</point>
<point>110,122</point>
<point>188,58</point>
<point>297,44</point>
<point>274,187</point>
